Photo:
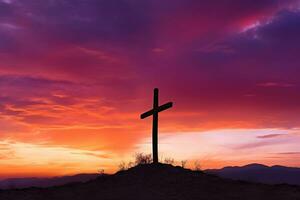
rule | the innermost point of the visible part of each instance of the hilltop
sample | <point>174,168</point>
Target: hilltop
<point>160,181</point>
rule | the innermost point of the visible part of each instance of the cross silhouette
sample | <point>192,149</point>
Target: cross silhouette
<point>154,112</point>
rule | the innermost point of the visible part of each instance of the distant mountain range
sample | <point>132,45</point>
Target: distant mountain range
<point>260,174</point>
<point>13,183</point>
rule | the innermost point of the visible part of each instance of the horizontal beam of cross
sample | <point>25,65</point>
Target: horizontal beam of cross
<point>159,109</point>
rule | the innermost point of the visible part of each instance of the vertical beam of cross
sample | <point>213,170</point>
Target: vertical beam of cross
<point>155,127</point>
<point>154,112</point>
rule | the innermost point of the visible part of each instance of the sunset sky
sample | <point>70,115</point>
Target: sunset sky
<point>76,74</point>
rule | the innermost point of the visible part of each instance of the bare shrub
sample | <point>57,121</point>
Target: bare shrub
<point>183,163</point>
<point>161,158</point>
<point>142,159</point>
<point>130,164</point>
<point>101,172</point>
<point>122,166</point>
<point>169,161</point>
<point>197,165</point>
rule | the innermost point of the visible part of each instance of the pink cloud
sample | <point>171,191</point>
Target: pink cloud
<point>275,84</point>
<point>270,136</point>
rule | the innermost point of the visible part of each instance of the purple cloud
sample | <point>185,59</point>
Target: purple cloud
<point>212,53</point>
<point>274,84</point>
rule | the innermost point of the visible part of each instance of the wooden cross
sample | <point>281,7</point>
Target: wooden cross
<point>154,112</point>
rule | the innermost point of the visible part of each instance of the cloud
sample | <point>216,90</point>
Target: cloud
<point>255,145</point>
<point>7,1</point>
<point>274,84</point>
<point>269,136</point>
<point>39,156</point>
<point>112,50</point>
<point>289,153</point>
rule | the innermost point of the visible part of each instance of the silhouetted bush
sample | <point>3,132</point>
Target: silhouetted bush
<point>169,161</point>
<point>101,172</point>
<point>122,166</point>
<point>130,164</point>
<point>197,166</point>
<point>142,159</point>
<point>183,163</point>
